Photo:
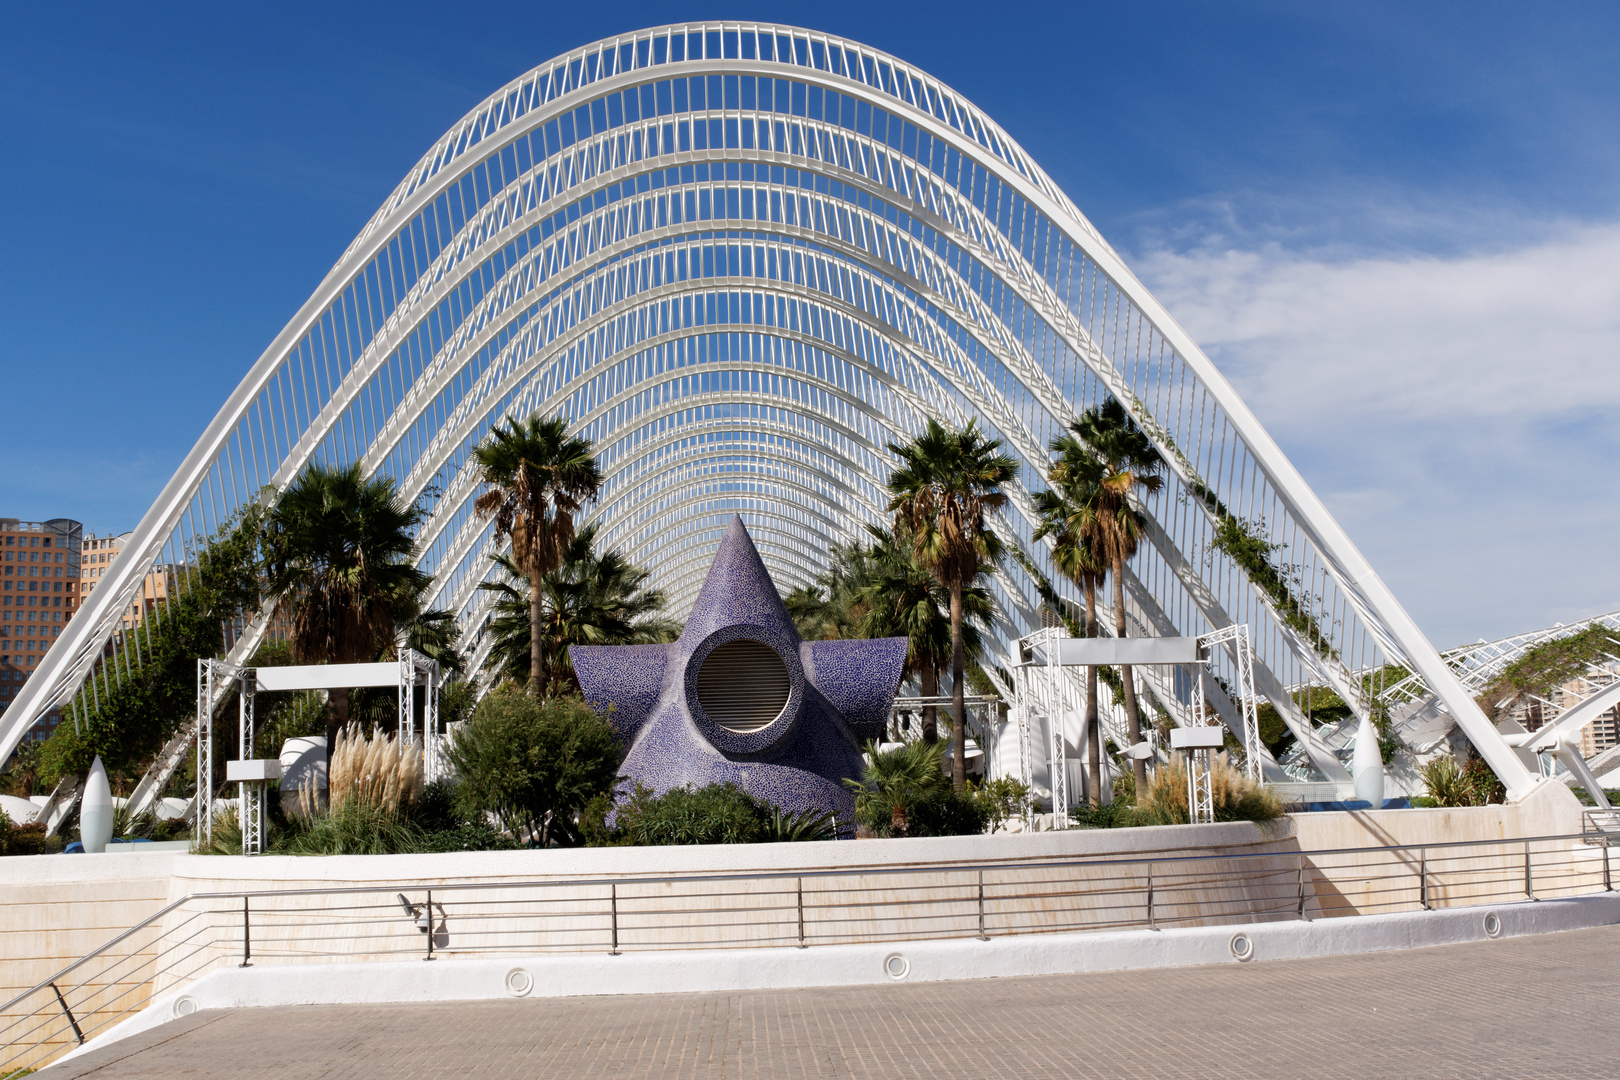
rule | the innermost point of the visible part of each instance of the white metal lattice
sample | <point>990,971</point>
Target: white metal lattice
<point>742,259</point>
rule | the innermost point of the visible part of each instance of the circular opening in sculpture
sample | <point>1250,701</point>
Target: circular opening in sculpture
<point>743,685</point>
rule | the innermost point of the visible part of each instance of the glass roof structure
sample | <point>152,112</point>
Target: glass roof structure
<point>742,259</point>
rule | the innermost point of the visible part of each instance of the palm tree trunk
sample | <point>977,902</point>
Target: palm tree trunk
<point>1133,719</point>
<point>958,691</point>
<point>536,671</point>
<point>1093,735</point>
<point>930,713</point>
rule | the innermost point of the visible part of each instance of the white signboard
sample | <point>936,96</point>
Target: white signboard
<point>1142,650</point>
<point>326,676</point>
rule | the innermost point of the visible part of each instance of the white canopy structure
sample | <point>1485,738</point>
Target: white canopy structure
<point>743,259</point>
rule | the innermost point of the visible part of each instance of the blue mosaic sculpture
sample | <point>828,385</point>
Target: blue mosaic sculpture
<point>740,697</point>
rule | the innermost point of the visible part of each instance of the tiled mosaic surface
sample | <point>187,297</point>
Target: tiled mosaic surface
<point>840,695</point>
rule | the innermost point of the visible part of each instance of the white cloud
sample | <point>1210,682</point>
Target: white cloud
<point>1457,413</point>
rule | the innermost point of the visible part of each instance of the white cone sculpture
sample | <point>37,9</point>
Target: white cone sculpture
<point>1368,766</point>
<point>96,810</point>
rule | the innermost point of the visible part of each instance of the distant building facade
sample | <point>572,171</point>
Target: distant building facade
<point>40,589</point>
<point>100,552</point>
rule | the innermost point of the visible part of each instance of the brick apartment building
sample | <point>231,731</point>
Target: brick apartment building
<point>39,592</point>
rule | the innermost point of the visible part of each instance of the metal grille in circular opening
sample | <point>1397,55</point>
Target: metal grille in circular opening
<point>743,685</point>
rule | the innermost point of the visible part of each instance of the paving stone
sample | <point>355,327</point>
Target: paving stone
<point>1521,1008</point>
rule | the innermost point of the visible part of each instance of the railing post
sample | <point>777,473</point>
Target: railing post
<point>1529,879</point>
<point>1153,923</point>
<point>62,1001</point>
<point>1302,889</point>
<point>247,946</point>
<point>982,935</point>
<point>1423,879</point>
<point>613,897</point>
<point>430,924</point>
<point>802,944</point>
<point>1607,886</point>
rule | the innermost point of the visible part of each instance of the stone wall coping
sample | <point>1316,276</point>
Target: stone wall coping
<point>192,873</point>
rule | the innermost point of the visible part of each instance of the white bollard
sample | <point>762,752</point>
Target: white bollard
<point>96,810</point>
<point>1367,766</point>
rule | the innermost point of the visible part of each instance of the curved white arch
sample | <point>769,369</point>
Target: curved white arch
<point>734,201</point>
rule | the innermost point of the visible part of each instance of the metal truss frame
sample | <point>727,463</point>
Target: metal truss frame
<point>863,245</point>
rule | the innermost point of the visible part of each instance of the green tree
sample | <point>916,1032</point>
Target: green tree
<point>894,783</point>
<point>539,476</point>
<point>1068,512</point>
<point>948,480</point>
<point>338,547</point>
<point>533,764</point>
<point>830,608</point>
<point>901,598</point>
<point>1130,467</point>
<point>592,598</point>
<point>22,771</point>
<point>137,697</point>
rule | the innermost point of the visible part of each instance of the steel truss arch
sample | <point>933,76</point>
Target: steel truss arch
<point>498,279</point>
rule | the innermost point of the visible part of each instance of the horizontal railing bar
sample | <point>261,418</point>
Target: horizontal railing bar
<point>822,902</point>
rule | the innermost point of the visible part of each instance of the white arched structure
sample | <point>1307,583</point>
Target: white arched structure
<point>742,259</point>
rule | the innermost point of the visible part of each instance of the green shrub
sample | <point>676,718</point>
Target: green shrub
<point>1449,784</point>
<point>949,813</point>
<point>905,792</point>
<point>1424,802</point>
<point>1483,785</point>
<point>226,837</point>
<point>443,827</point>
<point>782,827</point>
<point>466,836</point>
<point>1443,780</point>
<point>716,814</point>
<point>1002,799</point>
<point>1118,814</point>
<point>358,826</point>
<point>29,839</point>
<point>895,783</point>
<point>350,826</point>
<point>533,765</point>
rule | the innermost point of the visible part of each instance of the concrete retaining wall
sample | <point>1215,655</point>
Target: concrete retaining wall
<point>54,909</point>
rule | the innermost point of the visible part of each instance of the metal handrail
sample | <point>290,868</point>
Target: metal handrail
<point>654,879</point>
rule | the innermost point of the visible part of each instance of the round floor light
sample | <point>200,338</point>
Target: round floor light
<point>1242,947</point>
<point>896,966</point>
<point>743,685</point>
<point>1493,924</point>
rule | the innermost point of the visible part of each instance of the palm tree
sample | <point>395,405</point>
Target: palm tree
<point>538,477</point>
<point>815,616</point>
<point>590,599</point>
<point>896,781</point>
<point>947,481</point>
<point>827,609</point>
<point>1130,464</point>
<point>337,548</point>
<point>900,598</point>
<point>1068,514</point>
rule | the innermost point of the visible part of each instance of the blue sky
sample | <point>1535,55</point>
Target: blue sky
<point>1395,226</point>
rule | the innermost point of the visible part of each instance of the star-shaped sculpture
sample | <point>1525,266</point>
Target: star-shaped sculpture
<point>740,697</point>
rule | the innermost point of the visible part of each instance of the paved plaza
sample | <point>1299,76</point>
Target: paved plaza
<point>1521,1008</point>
